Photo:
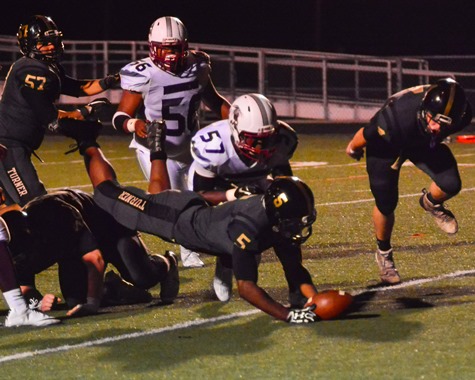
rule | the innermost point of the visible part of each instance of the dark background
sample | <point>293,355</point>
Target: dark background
<point>376,27</point>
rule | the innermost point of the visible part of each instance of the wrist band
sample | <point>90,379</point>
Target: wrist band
<point>131,125</point>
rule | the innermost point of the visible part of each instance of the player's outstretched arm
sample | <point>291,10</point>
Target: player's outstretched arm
<point>256,296</point>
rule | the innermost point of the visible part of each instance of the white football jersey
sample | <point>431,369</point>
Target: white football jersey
<point>173,98</point>
<point>214,155</point>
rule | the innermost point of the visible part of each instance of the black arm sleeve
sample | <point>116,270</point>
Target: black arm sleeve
<point>290,256</point>
<point>73,87</point>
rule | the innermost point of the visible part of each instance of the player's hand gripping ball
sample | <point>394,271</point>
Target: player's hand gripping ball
<point>330,303</point>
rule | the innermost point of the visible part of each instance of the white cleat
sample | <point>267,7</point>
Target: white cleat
<point>29,318</point>
<point>223,281</point>
<point>190,259</point>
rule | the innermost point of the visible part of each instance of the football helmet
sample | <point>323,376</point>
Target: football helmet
<point>40,31</point>
<point>168,44</point>
<point>253,123</point>
<point>16,222</point>
<point>290,207</point>
<point>444,102</point>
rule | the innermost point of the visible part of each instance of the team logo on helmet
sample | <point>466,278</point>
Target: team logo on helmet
<point>290,207</point>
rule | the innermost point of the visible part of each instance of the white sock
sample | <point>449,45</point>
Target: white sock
<point>15,300</point>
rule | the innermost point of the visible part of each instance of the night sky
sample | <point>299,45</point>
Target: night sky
<point>376,27</point>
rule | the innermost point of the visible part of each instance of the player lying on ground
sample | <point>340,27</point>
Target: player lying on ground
<point>281,218</point>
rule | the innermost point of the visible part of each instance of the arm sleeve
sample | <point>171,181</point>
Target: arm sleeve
<point>73,87</point>
<point>290,256</point>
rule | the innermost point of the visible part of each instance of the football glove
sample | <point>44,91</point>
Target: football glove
<point>92,109</point>
<point>305,315</point>
<point>110,81</point>
<point>83,309</point>
<point>247,190</point>
<point>156,135</point>
<point>238,192</point>
<point>33,298</point>
<point>356,154</point>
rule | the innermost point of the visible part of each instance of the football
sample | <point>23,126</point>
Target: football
<point>330,303</point>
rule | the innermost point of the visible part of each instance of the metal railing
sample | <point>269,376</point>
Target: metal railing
<point>318,85</point>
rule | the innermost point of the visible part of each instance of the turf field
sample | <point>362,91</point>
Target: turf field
<point>421,329</point>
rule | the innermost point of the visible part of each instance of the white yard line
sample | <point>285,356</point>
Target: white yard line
<point>201,322</point>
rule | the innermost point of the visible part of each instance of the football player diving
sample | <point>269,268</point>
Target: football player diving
<point>281,219</point>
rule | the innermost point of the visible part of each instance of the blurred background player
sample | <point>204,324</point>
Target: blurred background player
<point>412,125</point>
<point>168,85</point>
<point>33,84</point>
<point>238,157</point>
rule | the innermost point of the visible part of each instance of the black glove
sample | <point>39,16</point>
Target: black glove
<point>92,109</point>
<point>33,298</point>
<point>305,315</point>
<point>247,190</point>
<point>156,135</point>
<point>110,81</point>
<point>356,154</point>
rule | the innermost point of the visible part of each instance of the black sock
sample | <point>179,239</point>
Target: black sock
<point>383,245</point>
<point>432,200</point>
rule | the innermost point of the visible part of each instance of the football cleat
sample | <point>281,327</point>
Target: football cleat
<point>444,218</point>
<point>29,318</point>
<point>387,269</point>
<point>190,259</point>
<point>223,281</point>
<point>170,286</point>
<point>119,292</point>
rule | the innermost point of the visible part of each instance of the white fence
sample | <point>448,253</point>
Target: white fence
<point>302,84</point>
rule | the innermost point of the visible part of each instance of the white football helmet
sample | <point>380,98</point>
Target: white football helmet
<point>168,43</point>
<point>253,123</point>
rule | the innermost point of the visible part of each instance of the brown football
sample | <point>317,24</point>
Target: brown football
<point>330,303</point>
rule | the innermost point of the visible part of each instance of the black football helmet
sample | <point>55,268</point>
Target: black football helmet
<point>17,226</point>
<point>290,208</point>
<point>445,103</point>
<point>37,32</point>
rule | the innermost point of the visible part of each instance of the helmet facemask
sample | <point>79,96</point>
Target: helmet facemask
<point>256,147</point>
<point>445,104</point>
<point>169,57</point>
<point>297,230</point>
<point>290,207</point>
<point>253,123</point>
<point>168,44</point>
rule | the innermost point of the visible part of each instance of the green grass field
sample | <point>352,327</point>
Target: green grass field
<point>421,329</point>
